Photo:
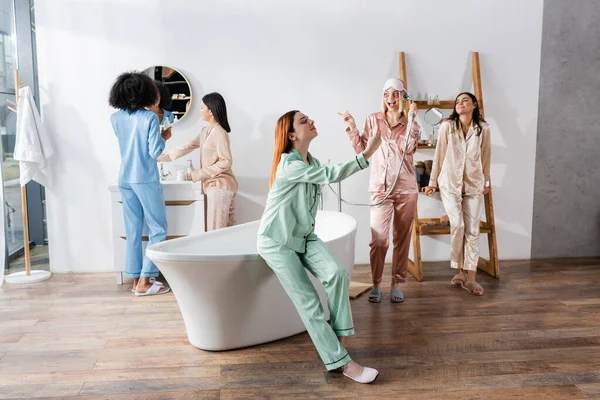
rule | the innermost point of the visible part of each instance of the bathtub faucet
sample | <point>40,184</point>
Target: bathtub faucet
<point>338,195</point>
<point>321,197</point>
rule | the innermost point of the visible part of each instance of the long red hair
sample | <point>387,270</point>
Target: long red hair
<point>285,125</point>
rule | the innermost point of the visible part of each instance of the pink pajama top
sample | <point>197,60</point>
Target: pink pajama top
<point>385,163</point>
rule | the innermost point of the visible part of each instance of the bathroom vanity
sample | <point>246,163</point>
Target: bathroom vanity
<point>186,215</point>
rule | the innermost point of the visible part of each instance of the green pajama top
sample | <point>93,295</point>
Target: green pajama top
<point>292,203</point>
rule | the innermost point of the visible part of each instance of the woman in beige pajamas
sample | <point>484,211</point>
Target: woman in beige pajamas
<point>461,171</point>
<point>218,181</point>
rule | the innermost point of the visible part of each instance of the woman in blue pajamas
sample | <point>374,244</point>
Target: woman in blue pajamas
<point>140,143</point>
<point>287,242</point>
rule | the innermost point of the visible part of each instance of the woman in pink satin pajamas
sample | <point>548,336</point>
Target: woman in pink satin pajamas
<point>398,209</point>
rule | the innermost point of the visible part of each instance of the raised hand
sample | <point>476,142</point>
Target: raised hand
<point>412,111</point>
<point>348,120</point>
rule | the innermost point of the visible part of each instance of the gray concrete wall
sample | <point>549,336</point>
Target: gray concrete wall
<point>566,210</point>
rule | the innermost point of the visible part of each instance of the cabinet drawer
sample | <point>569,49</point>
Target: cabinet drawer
<point>184,217</point>
<point>172,191</point>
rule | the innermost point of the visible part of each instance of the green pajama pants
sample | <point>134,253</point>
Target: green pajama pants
<point>289,266</point>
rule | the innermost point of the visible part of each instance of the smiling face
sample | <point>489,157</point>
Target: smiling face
<point>304,129</point>
<point>464,105</point>
<point>392,99</point>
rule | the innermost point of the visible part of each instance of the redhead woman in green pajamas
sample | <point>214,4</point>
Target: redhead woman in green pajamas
<point>287,242</point>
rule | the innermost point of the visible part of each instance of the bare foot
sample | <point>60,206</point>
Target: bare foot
<point>396,299</point>
<point>375,295</point>
<point>471,285</point>
<point>459,279</point>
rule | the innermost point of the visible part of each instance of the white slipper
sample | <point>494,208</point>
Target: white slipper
<point>368,375</point>
<point>153,281</point>
<point>154,290</point>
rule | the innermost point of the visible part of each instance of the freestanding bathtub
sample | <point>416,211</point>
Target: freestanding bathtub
<point>228,296</point>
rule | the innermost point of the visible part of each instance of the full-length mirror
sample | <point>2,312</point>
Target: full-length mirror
<point>175,92</point>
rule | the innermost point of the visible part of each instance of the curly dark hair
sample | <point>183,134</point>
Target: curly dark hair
<point>132,91</point>
<point>165,95</point>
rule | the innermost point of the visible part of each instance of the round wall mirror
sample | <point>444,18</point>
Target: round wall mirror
<point>175,89</point>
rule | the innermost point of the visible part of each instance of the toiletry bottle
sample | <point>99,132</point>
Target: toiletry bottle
<point>190,168</point>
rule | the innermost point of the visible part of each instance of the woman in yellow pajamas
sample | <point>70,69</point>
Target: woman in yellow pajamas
<point>287,242</point>
<point>461,170</point>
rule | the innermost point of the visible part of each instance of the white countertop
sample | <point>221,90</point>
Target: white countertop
<point>167,184</point>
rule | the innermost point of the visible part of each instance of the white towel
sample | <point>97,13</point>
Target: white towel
<point>32,147</point>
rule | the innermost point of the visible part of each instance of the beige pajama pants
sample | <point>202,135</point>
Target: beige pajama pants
<point>220,209</point>
<point>464,213</point>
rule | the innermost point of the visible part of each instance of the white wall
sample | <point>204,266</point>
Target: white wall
<point>267,57</point>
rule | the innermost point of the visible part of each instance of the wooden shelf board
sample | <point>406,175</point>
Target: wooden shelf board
<point>179,202</point>
<point>443,105</point>
<point>439,229</point>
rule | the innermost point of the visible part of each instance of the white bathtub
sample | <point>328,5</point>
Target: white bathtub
<point>228,296</point>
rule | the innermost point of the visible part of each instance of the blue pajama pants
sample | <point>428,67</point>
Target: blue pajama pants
<point>142,202</point>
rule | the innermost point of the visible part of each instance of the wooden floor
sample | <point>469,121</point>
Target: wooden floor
<point>534,335</point>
